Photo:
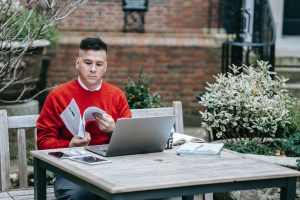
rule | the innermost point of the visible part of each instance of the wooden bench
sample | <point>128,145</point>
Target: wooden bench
<point>20,123</point>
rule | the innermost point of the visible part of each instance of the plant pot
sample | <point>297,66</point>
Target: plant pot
<point>31,65</point>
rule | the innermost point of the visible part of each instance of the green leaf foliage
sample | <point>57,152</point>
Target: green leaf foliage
<point>29,23</point>
<point>253,147</point>
<point>139,96</point>
<point>289,146</point>
<point>294,116</point>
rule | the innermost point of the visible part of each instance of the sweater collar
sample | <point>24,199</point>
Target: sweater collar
<point>84,87</point>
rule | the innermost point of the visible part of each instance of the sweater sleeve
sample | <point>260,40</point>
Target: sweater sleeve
<point>123,107</point>
<point>49,125</point>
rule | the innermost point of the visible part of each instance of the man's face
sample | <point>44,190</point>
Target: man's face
<point>91,66</point>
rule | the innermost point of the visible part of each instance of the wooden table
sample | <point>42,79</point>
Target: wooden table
<point>165,174</point>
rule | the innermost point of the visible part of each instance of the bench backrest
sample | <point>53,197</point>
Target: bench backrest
<point>29,121</point>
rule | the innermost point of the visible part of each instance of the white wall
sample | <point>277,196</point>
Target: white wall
<point>277,7</point>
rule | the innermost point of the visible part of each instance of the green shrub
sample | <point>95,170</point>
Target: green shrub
<point>139,96</point>
<point>247,104</point>
<point>294,116</point>
<point>252,147</point>
<point>287,147</point>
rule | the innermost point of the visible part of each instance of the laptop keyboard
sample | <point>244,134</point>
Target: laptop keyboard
<point>103,147</point>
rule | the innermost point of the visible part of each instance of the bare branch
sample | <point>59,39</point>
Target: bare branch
<point>20,25</point>
<point>19,100</point>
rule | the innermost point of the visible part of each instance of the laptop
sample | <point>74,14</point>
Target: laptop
<point>137,135</point>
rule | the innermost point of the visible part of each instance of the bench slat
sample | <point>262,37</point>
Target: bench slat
<point>27,194</point>
<point>7,198</point>
<point>23,179</point>
<point>25,121</point>
<point>4,152</point>
<point>4,195</point>
<point>175,110</point>
<point>152,112</point>
<point>177,105</point>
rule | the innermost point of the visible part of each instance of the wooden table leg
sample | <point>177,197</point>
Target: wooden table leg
<point>188,197</point>
<point>289,192</point>
<point>39,181</point>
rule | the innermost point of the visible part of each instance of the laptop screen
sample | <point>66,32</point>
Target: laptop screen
<point>138,135</point>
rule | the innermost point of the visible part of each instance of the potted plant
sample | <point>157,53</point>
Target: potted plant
<point>22,26</point>
<point>139,96</point>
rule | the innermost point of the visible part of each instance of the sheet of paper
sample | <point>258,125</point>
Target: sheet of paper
<point>81,131</point>
<point>72,119</point>
<point>88,113</point>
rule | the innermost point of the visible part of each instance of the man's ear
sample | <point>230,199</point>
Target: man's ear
<point>105,66</point>
<point>77,62</point>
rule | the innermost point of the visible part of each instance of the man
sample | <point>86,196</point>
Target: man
<point>87,90</point>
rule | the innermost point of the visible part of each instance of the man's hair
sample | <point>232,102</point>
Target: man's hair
<point>94,43</point>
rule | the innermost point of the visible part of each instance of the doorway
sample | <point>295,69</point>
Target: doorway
<point>291,18</point>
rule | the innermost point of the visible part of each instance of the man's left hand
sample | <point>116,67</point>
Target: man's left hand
<point>105,122</point>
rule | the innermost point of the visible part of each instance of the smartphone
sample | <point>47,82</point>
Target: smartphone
<point>90,160</point>
<point>59,154</point>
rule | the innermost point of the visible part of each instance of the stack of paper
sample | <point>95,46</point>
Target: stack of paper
<point>191,148</point>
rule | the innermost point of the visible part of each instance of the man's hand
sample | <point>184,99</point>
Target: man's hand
<point>105,122</point>
<point>78,142</point>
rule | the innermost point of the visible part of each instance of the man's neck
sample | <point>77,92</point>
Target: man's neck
<point>86,88</point>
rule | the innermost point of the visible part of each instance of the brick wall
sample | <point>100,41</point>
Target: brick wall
<point>177,65</point>
<point>174,53</point>
<point>162,16</point>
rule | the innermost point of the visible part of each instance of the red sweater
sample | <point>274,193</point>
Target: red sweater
<point>51,130</point>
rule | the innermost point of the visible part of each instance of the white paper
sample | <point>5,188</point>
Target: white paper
<point>88,114</point>
<point>179,138</point>
<point>81,131</point>
<point>72,118</point>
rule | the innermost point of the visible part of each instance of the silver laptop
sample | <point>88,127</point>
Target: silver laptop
<point>137,135</point>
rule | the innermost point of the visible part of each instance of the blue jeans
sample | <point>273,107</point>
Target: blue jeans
<point>67,190</point>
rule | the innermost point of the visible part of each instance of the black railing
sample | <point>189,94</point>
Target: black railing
<point>248,42</point>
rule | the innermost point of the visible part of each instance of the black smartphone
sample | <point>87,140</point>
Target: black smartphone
<point>59,154</point>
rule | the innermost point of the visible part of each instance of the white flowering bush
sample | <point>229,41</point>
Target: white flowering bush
<point>247,103</point>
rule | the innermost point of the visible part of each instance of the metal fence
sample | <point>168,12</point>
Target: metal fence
<point>250,33</point>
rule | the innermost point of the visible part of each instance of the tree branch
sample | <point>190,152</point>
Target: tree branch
<point>20,26</point>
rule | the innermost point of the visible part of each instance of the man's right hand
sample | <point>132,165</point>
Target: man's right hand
<point>79,142</point>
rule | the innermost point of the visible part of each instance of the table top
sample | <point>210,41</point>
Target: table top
<point>141,172</point>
